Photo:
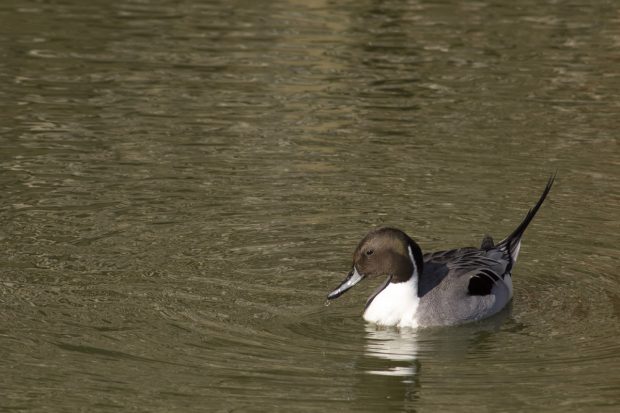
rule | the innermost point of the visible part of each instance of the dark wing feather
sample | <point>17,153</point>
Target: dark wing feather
<point>487,243</point>
<point>482,282</point>
<point>483,268</point>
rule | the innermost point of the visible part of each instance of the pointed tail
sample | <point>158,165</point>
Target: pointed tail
<point>512,242</point>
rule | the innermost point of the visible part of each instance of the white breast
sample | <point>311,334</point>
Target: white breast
<point>396,305</point>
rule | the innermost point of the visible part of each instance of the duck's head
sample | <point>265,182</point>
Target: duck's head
<point>384,252</point>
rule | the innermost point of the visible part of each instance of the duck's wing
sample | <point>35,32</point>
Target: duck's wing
<point>485,266</point>
<point>463,284</point>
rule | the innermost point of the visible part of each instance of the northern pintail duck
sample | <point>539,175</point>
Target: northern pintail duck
<point>438,288</point>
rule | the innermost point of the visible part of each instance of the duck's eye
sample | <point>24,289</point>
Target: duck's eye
<point>369,252</point>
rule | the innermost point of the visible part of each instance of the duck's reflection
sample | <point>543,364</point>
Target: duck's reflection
<point>391,344</point>
<point>402,348</point>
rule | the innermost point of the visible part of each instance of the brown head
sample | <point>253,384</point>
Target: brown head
<point>385,252</point>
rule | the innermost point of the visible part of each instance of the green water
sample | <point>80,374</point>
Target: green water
<point>183,182</point>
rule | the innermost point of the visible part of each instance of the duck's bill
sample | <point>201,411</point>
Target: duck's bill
<point>353,278</point>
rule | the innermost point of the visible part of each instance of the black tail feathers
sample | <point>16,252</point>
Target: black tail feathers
<point>511,243</point>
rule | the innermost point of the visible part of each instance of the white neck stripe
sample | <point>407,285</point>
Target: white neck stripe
<point>415,267</point>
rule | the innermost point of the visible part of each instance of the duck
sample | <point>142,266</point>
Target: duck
<point>440,288</point>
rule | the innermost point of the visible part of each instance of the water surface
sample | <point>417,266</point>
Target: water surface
<point>183,182</point>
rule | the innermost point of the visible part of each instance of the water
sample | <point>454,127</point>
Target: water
<point>183,182</point>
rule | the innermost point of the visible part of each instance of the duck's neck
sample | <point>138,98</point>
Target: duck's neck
<point>397,303</point>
